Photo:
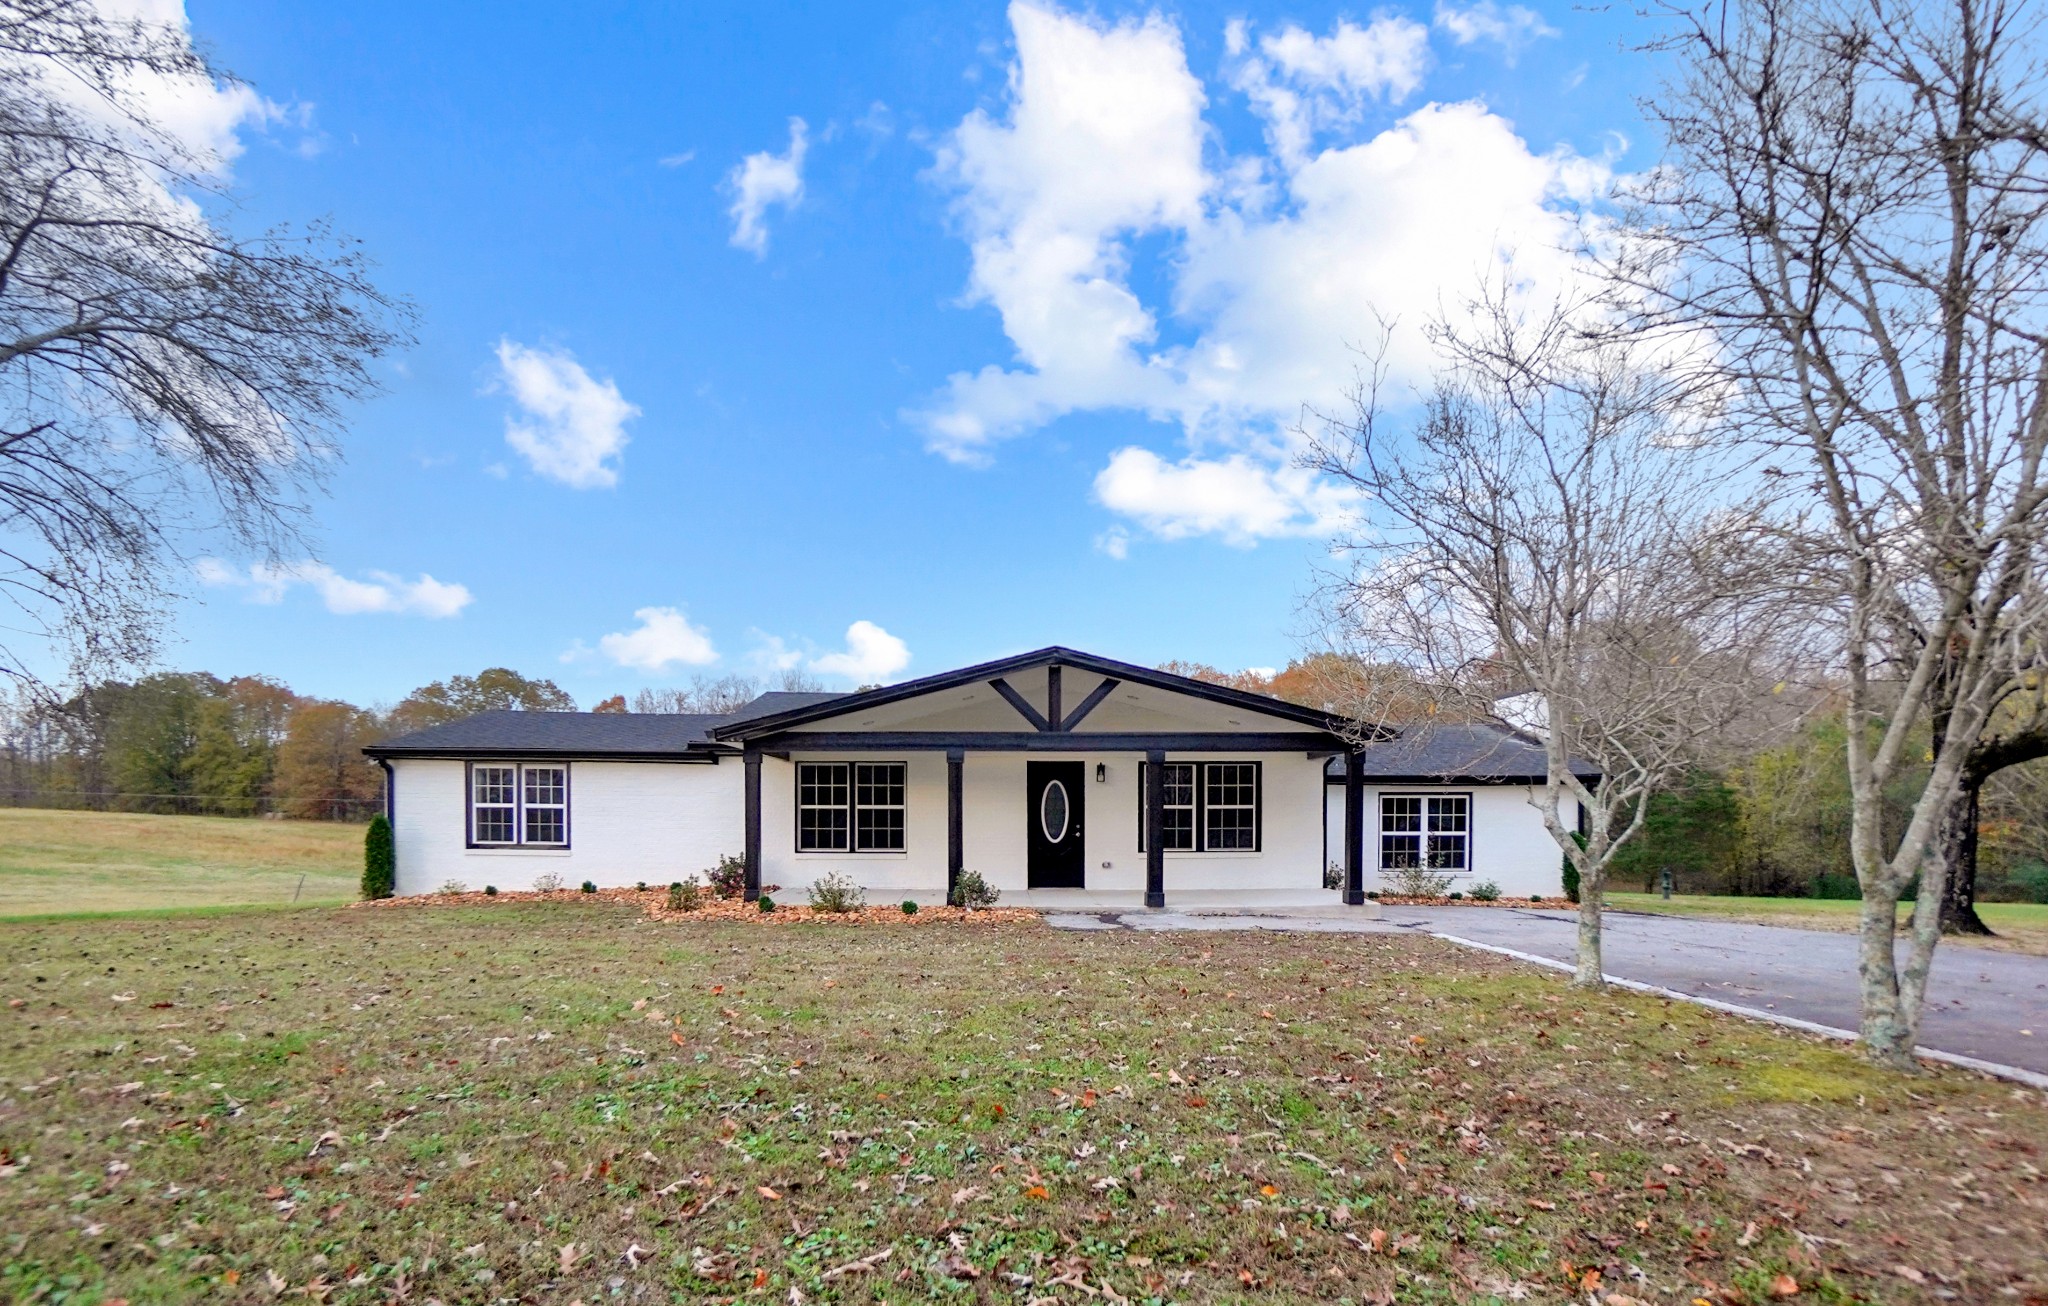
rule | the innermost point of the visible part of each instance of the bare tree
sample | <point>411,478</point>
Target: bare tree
<point>1546,527</point>
<point>704,695</point>
<point>1855,206</point>
<point>159,375</point>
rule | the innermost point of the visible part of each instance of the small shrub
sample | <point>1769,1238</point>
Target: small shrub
<point>1571,874</point>
<point>452,887</point>
<point>1420,882</point>
<point>380,860</point>
<point>1836,887</point>
<point>2031,878</point>
<point>641,886</point>
<point>1486,891</point>
<point>547,882</point>
<point>973,892</point>
<point>683,895</point>
<point>1372,893</point>
<point>909,907</point>
<point>837,893</point>
<point>589,887</point>
<point>729,877</point>
<point>490,891</point>
<point>1333,875</point>
<point>765,903</point>
<point>1535,897</point>
<point>1456,896</point>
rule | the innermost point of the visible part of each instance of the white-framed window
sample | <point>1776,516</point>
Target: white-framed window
<point>1210,807</point>
<point>518,804</point>
<point>857,807</point>
<point>1433,831</point>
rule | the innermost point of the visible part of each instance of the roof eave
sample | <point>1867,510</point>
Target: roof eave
<point>1052,656</point>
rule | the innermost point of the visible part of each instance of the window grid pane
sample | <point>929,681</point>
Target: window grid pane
<point>823,794</point>
<point>1178,798</point>
<point>493,790</point>
<point>547,804</point>
<point>1449,832</point>
<point>1230,807</point>
<point>1400,831</point>
<point>878,806</point>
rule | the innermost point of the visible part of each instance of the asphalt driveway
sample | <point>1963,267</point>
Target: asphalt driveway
<point>1989,1005</point>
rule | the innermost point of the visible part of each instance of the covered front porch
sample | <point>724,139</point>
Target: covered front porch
<point>904,789</point>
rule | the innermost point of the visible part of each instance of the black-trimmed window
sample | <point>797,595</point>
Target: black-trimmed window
<point>1210,807</point>
<point>518,804</point>
<point>1432,831</point>
<point>851,807</point>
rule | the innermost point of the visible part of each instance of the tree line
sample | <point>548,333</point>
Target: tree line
<point>199,744</point>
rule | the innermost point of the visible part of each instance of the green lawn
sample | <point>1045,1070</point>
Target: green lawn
<point>2021,926</point>
<point>54,861</point>
<point>569,1101</point>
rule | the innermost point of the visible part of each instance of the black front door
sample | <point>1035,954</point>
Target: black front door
<point>1053,823</point>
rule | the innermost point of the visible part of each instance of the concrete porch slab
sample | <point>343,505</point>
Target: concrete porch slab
<point>1315,904</point>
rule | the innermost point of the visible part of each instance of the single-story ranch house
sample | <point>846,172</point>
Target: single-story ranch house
<point>1057,775</point>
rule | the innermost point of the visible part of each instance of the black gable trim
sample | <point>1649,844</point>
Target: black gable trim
<point>1045,657</point>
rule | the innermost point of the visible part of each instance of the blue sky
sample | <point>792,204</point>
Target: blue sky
<point>999,348</point>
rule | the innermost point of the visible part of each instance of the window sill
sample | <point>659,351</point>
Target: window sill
<point>849,852</point>
<point>500,850</point>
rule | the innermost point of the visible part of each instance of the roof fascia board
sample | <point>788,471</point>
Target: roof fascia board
<point>1055,655</point>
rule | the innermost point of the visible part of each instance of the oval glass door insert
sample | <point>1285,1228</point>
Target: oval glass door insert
<point>1052,812</point>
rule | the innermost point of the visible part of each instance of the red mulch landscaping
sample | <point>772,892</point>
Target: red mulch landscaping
<point>1398,900</point>
<point>655,903</point>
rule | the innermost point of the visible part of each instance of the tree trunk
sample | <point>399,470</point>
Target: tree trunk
<point>1887,1033</point>
<point>1957,847</point>
<point>1590,974</point>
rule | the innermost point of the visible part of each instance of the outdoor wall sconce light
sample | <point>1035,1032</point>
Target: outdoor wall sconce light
<point>1101,773</point>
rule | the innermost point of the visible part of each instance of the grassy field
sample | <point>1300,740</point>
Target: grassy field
<point>54,861</point>
<point>2021,926</point>
<point>569,1101</point>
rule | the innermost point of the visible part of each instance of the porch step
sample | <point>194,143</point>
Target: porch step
<point>1309,903</point>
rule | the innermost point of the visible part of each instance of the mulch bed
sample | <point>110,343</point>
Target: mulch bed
<point>655,903</point>
<point>1399,900</point>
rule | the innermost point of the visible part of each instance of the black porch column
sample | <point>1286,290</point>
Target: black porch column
<point>1354,829</point>
<point>752,760</point>
<point>1155,827</point>
<point>956,853</point>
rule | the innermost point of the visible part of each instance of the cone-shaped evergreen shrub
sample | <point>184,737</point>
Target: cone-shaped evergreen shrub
<point>380,860</point>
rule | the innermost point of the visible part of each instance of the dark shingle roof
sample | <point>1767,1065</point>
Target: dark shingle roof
<point>1476,752</point>
<point>579,734</point>
<point>778,700</point>
<point>583,734</point>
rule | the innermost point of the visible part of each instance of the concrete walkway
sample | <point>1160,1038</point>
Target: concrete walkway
<point>1992,1006</point>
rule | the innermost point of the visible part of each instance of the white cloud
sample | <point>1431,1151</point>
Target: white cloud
<point>872,655</point>
<point>1511,27</point>
<point>1114,542</point>
<point>383,592</point>
<point>1303,84</point>
<point>664,638</point>
<point>1241,498</point>
<point>1276,265</point>
<point>676,160</point>
<point>572,427</point>
<point>203,120</point>
<point>764,179</point>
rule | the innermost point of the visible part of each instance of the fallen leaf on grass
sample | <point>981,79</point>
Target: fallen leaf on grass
<point>1784,1285</point>
<point>567,1255</point>
<point>1909,1274</point>
<point>867,1262</point>
<point>1037,1192</point>
<point>769,1193</point>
